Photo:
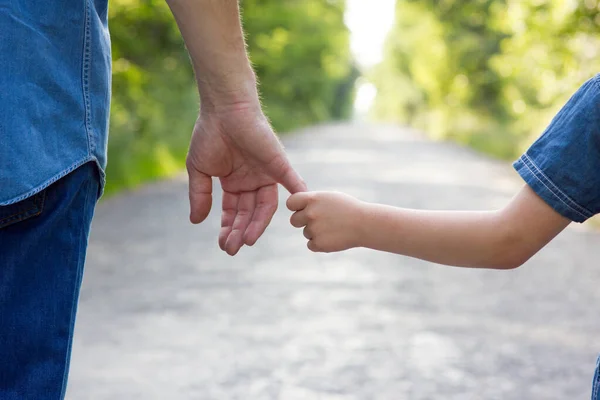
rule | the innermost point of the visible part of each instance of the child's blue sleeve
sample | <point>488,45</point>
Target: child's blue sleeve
<point>563,165</point>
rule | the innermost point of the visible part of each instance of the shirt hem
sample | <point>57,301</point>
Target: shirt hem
<point>60,175</point>
<point>549,192</point>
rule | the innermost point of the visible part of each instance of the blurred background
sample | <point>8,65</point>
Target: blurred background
<point>486,73</point>
<point>414,103</point>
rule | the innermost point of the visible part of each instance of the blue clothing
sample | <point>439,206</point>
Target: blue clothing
<point>563,165</point>
<point>54,92</point>
<point>43,242</point>
<point>55,75</point>
<point>596,382</point>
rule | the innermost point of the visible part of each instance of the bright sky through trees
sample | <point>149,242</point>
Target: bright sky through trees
<point>369,23</point>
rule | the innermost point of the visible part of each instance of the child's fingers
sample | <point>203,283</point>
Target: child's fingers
<point>299,219</point>
<point>298,201</point>
<point>308,233</point>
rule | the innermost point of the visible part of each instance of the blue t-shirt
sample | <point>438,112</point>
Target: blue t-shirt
<point>563,165</point>
<point>54,91</point>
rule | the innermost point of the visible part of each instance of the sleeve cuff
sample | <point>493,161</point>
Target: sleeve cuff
<point>548,191</point>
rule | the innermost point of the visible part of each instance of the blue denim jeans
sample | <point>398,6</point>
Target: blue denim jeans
<point>43,241</point>
<point>596,382</point>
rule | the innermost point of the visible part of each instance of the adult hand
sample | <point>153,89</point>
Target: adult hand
<point>238,146</point>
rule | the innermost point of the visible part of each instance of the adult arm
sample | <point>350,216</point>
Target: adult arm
<point>232,139</point>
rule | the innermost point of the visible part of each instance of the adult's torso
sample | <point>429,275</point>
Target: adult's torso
<point>54,91</point>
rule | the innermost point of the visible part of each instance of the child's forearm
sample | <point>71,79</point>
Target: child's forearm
<point>468,239</point>
<point>501,239</point>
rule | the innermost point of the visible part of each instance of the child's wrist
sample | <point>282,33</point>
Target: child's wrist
<point>362,224</point>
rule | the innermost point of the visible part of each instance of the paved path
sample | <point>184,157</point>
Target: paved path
<point>165,315</point>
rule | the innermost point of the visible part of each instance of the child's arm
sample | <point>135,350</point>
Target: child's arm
<point>501,239</point>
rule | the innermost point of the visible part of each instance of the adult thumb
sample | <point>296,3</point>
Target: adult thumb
<point>287,176</point>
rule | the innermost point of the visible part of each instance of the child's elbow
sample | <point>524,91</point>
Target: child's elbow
<point>512,254</point>
<point>507,263</point>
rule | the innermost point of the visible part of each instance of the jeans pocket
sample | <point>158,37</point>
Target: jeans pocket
<point>25,209</point>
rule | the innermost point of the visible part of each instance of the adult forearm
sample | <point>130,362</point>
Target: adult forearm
<point>214,38</point>
<point>467,239</point>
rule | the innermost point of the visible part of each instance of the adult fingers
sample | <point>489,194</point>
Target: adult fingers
<point>266,205</point>
<point>230,207</point>
<point>200,194</point>
<point>245,209</point>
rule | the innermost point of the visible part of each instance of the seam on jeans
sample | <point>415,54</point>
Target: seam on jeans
<point>33,211</point>
<point>13,219</point>
<point>33,207</point>
<point>77,287</point>
<point>544,180</point>
<point>57,177</point>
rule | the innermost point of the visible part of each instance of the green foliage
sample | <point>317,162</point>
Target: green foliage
<point>301,53</point>
<point>154,101</point>
<point>300,50</point>
<point>489,73</point>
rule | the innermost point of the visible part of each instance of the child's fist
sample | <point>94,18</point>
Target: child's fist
<point>331,221</point>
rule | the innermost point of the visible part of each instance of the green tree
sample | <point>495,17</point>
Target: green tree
<point>301,53</point>
<point>154,100</point>
<point>489,73</point>
<point>300,50</point>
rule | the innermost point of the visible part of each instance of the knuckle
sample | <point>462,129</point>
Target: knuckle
<point>242,214</point>
<point>189,163</point>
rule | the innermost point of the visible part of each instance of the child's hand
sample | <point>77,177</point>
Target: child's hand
<point>331,221</point>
